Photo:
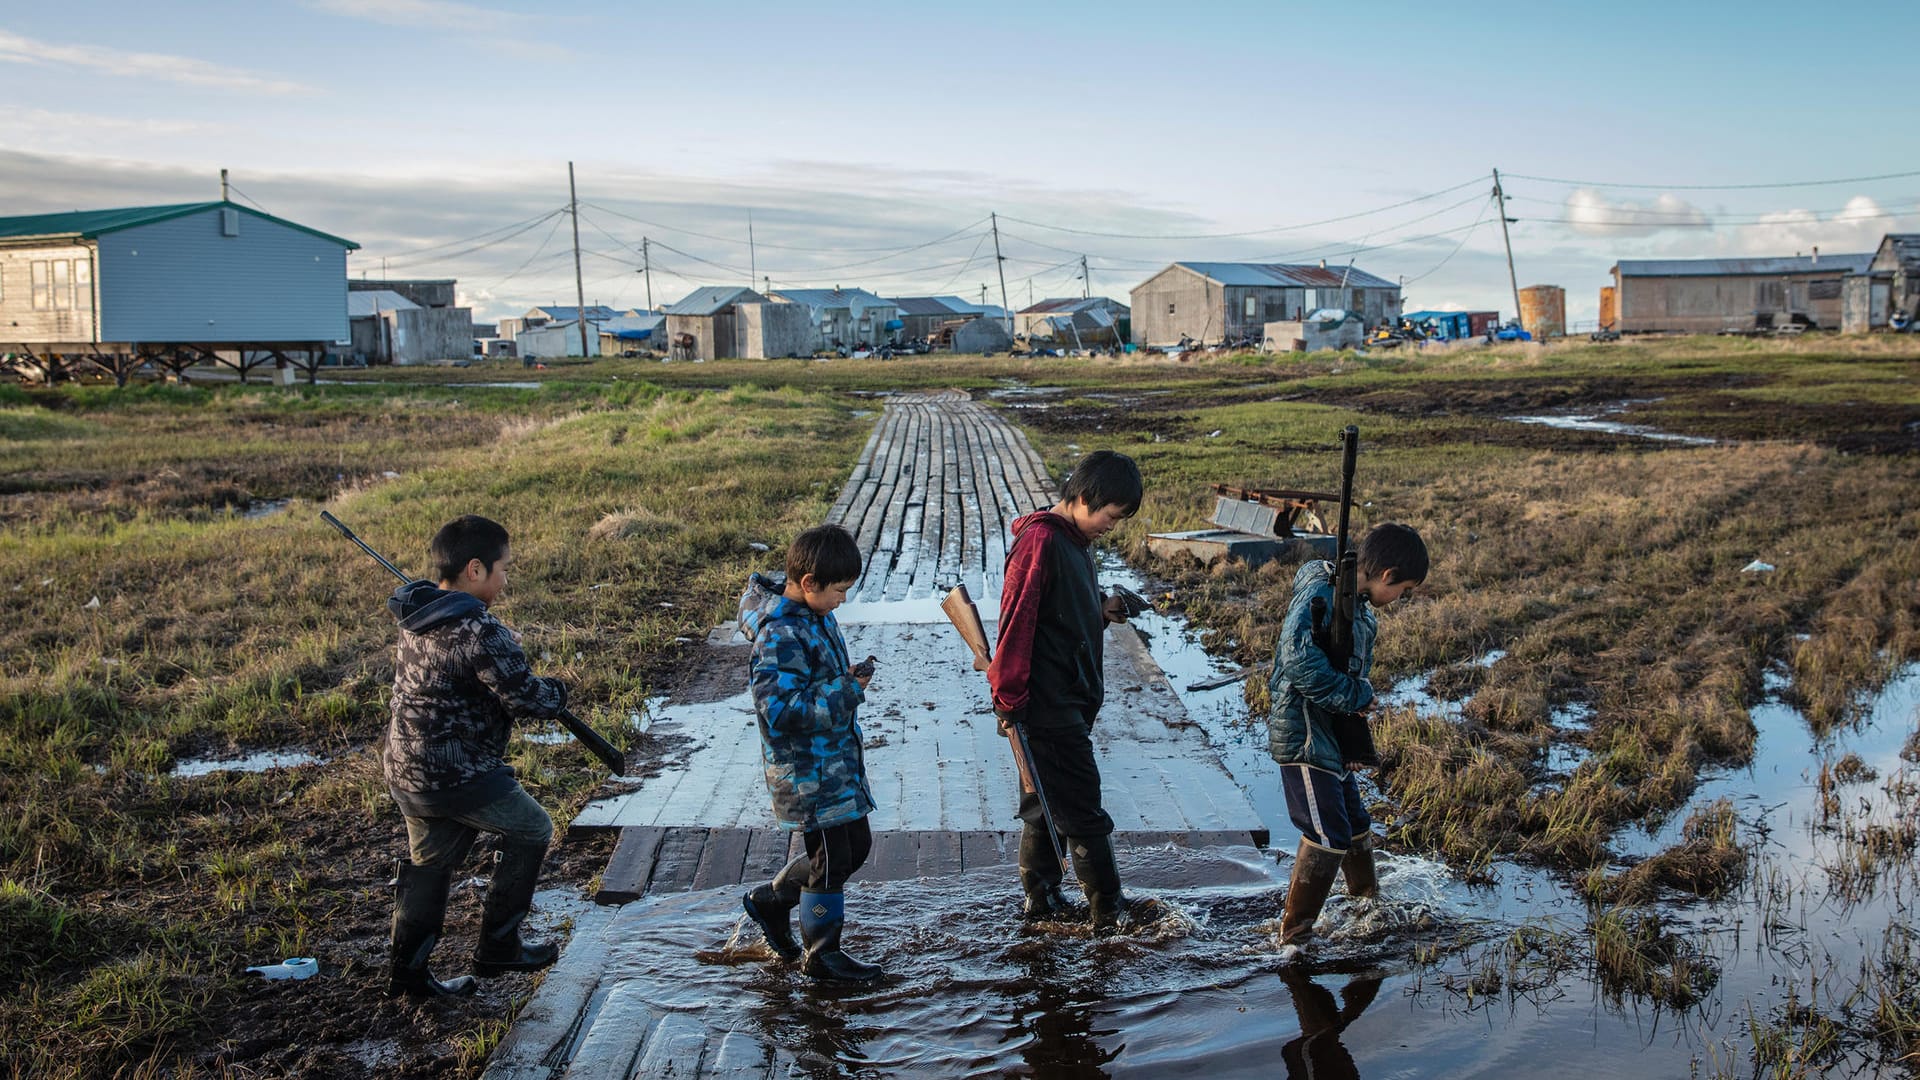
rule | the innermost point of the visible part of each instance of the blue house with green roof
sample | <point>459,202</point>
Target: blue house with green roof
<point>167,281</point>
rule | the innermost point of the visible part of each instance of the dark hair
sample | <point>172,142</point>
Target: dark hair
<point>463,540</point>
<point>1103,477</point>
<point>828,552</point>
<point>1397,548</point>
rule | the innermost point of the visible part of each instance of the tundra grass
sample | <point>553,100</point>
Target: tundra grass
<point>149,622</point>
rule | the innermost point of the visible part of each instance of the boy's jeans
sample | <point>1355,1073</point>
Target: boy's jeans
<point>441,843</point>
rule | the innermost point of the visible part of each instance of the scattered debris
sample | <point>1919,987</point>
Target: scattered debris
<point>758,546</point>
<point>293,967</point>
<point>91,604</point>
<point>1757,567</point>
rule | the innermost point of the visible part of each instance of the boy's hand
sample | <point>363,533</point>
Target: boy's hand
<point>1007,720</point>
<point>1123,604</point>
<point>863,671</point>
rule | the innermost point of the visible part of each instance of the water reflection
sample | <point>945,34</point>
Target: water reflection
<point>1317,1051</point>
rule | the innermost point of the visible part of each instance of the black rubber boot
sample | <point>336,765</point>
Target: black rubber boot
<point>516,870</point>
<point>419,915</point>
<point>821,917</point>
<point>1363,883</point>
<point>1314,868</point>
<point>1099,876</point>
<point>771,907</point>
<point>1040,875</point>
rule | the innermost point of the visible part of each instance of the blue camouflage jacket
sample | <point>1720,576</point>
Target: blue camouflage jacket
<point>805,697</point>
<point>1305,684</point>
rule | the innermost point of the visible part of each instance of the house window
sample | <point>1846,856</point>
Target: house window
<point>1169,309</point>
<point>62,287</point>
<point>82,285</point>
<point>1253,308</point>
<point>42,285</point>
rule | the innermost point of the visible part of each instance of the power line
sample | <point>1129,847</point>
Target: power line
<point>1249,232</point>
<point>784,247</point>
<point>527,224</point>
<point>1717,187</point>
<point>536,254</point>
<point>1477,222</point>
<point>553,215</point>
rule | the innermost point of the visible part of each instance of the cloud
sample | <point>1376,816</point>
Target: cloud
<point>431,14</point>
<point>1593,214</point>
<point>1856,227</point>
<point>186,70</point>
<point>44,126</point>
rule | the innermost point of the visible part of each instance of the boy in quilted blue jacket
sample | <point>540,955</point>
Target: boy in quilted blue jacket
<point>806,694</point>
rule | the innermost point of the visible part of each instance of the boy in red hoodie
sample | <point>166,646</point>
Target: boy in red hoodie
<point>1048,674</point>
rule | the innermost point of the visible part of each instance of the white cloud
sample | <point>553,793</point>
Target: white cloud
<point>42,127</point>
<point>431,14</point>
<point>1856,227</point>
<point>1593,214</point>
<point>186,70</point>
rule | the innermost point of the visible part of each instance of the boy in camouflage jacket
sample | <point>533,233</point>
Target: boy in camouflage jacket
<point>806,694</point>
<point>459,680</point>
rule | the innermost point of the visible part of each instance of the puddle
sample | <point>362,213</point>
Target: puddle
<point>502,385</point>
<point>1598,422</point>
<point>255,763</point>
<point>265,508</point>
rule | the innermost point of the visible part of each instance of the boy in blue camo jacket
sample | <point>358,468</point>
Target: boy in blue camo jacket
<point>806,693</point>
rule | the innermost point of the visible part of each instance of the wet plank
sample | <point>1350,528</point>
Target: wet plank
<point>722,859</point>
<point>767,852</point>
<point>679,859</point>
<point>939,855</point>
<point>630,870</point>
<point>895,856</point>
<point>979,848</point>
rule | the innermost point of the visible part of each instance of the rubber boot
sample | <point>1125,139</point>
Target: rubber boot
<point>516,870</point>
<point>419,915</point>
<point>1099,876</point>
<point>821,917</point>
<point>1314,868</point>
<point>1362,881</point>
<point>1040,876</point>
<point>771,907</point>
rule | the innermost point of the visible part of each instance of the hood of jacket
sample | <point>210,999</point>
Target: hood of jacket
<point>1313,574</point>
<point>421,605</point>
<point>764,601</point>
<point>1047,519</point>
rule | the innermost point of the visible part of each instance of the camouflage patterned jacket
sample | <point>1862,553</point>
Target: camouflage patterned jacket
<point>805,697</point>
<point>459,680</point>
<point>1305,685</point>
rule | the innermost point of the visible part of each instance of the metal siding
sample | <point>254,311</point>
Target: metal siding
<point>189,283</point>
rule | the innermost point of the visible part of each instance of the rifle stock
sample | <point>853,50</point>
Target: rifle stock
<point>960,610</point>
<point>614,760</point>
<point>1349,729</point>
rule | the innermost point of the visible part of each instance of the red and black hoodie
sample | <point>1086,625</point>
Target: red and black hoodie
<point>1047,667</point>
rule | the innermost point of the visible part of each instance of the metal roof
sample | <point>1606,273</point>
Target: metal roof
<point>88,224</point>
<point>709,299</point>
<point>968,307</point>
<point>1780,264</point>
<point>832,298</point>
<point>1070,304</point>
<point>1906,248</point>
<point>365,303</point>
<point>569,313</point>
<point>928,305</point>
<point>1287,275</point>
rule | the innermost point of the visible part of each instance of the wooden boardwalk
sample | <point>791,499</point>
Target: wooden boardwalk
<point>931,502</point>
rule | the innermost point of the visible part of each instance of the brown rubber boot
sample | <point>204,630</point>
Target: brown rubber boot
<point>1362,882</point>
<point>1314,868</point>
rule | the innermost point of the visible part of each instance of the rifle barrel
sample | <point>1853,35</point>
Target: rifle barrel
<point>379,558</point>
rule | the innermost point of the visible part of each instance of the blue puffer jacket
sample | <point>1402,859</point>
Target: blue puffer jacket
<point>1304,683</point>
<point>806,699</point>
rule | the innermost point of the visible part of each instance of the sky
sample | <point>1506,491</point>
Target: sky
<point>867,145</point>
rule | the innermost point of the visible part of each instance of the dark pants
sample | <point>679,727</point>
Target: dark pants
<point>835,853</point>
<point>1063,759</point>
<point>441,843</point>
<point>1325,806</point>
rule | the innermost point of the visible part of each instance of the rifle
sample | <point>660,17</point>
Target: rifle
<point>966,618</point>
<point>615,761</point>
<point>1335,635</point>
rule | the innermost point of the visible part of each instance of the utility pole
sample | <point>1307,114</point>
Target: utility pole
<point>223,185</point>
<point>646,267</point>
<point>1086,283</point>
<point>579,285</point>
<point>1029,292</point>
<point>1500,196</point>
<point>1000,261</point>
<point>983,294</point>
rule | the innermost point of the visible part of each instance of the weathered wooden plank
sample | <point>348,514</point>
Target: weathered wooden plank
<point>722,859</point>
<point>622,1028</point>
<point>979,848</point>
<point>674,1048</point>
<point>895,856</point>
<point>859,473</point>
<point>939,854</point>
<point>766,854</point>
<point>631,869</point>
<point>740,1055</point>
<point>679,858</point>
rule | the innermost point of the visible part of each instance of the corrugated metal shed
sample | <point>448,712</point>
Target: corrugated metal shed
<point>928,305</point>
<point>88,224</point>
<point>1287,275</point>
<point>362,304</point>
<point>710,299</point>
<point>1905,248</point>
<point>1786,264</point>
<point>832,298</point>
